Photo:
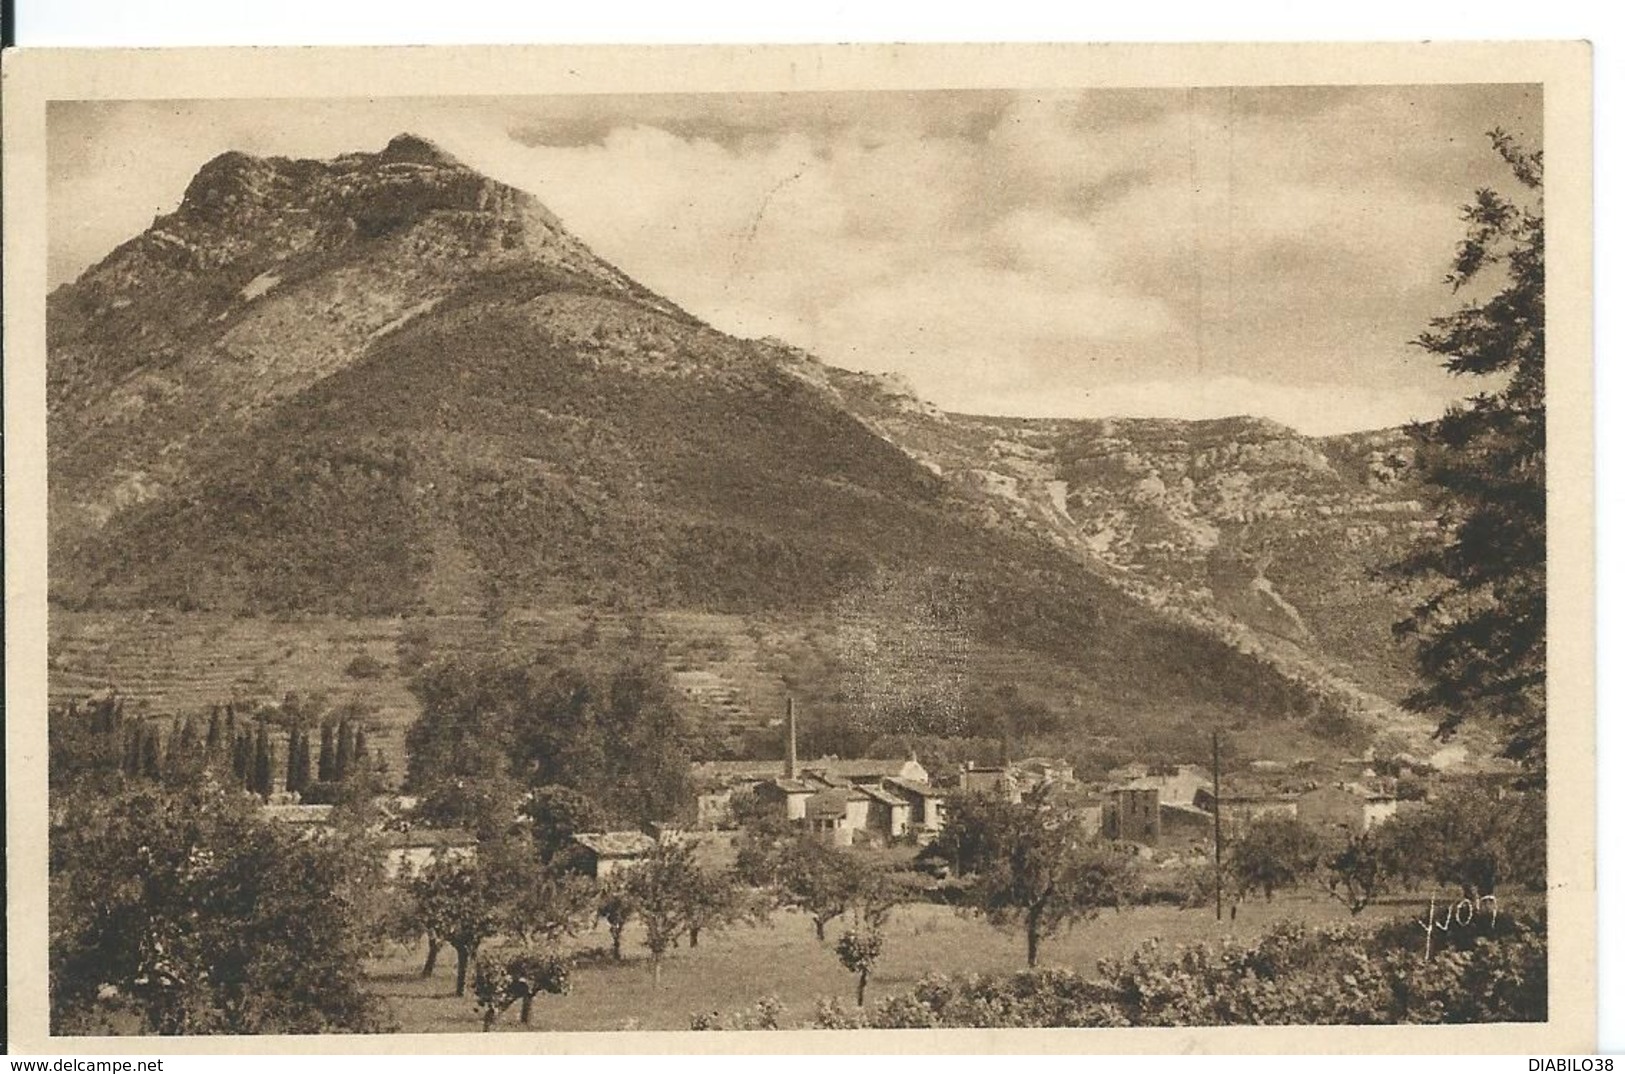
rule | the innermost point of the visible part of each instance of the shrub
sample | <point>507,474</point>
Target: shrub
<point>1291,976</point>
<point>365,666</point>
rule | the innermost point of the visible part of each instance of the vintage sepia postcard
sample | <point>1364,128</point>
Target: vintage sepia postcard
<point>754,549</point>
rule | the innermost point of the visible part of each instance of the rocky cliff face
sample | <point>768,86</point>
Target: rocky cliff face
<point>271,275</point>
<point>1275,541</point>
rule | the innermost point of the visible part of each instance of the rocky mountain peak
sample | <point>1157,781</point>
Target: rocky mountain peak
<point>408,148</point>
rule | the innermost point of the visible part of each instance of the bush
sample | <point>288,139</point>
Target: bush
<point>1291,976</point>
<point>365,666</point>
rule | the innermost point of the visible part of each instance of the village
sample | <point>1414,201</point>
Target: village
<point>1166,811</point>
<point>904,867</point>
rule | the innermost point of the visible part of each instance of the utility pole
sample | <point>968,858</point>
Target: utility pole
<point>1218,839</point>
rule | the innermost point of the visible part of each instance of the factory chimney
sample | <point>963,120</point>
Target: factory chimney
<point>790,765</point>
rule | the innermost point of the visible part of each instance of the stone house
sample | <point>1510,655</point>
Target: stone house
<point>793,794</point>
<point>925,803</point>
<point>887,812</point>
<point>996,780</point>
<point>411,851</point>
<point>603,854</point>
<point>1133,814</point>
<point>1246,804</point>
<point>1346,809</point>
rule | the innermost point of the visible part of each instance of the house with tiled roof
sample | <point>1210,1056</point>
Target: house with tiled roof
<point>886,812</point>
<point>997,781</point>
<point>603,854</point>
<point>925,802</point>
<point>792,794</point>
<point>1346,809</point>
<point>412,850</point>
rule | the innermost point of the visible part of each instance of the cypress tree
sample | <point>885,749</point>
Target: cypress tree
<point>261,784</point>
<point>211,744</point>
<point>358,755</point>
<point>298,759</point>
<point>346,751</point>
<point>324,763</point>
<point>151,753</point>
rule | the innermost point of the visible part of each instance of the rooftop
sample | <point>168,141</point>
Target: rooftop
<point>616,844</point>
<point>429,837</point>
<point>914,786</point>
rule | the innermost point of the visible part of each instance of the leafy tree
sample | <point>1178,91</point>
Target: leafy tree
<point>859,950</point>
<point>500,980</point>
<point>1273,853</point>
<point>617,907</point>
<point>664,887</point>
<point>1361,872</point>
<point>487,806</point>
<point>1033,867</point>
<point>556,815</point>
<point>819,880</point>
<point>1473,838</point>
<point>185,908</point>
<point>464,901</point>
<point>609,730</point>
<point>550,905</point>
<point>718,901</point>
<point>1481,628</point>
<point>1013,717</point>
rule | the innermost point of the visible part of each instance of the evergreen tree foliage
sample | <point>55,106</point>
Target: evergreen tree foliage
<point>1481,627</point>
<point>325,763</point>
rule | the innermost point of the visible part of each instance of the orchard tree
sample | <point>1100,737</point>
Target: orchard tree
<point>617,907</point>
<point>1361,872</point>
<point>717,902</point>
<point>500,980</point>
<point>1481,628</point>
<point>1033,867</point>
<point>464,901</point>
<point>1273,853</point>
<point>549,905</point>
<point>665,886</point>
<point>819,880</point>
<point>859,950</point>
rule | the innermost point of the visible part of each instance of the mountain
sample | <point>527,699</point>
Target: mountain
<point>1274,539</point>
<point>386,386</point>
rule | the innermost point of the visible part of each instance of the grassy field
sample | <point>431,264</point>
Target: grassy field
<point>731,971</point>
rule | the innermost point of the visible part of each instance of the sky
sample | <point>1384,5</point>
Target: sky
<point>1186,253</point>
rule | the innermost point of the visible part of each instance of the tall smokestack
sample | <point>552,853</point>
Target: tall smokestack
<point>790,765</point>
